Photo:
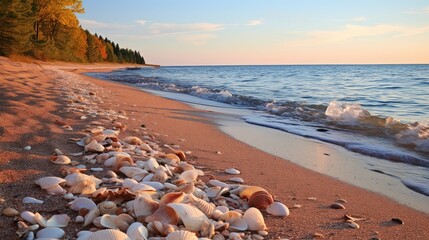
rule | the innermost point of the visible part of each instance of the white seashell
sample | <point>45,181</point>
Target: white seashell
<point>151,164</point>
<point>254,219</point>
<point>30,236</point>
<point>223,209</point>
<point>156,185</point>
<point>238,224</point>
<point>170,186</point>
<point>93,146</point>
<point>191,175</point>
<point>137,231</point>
<point>32,200</point>
<point>181,235</point>
<point>213,192</point>
<point>218,183</point>
<point>129,183</point>
<point>56,190</point>
<point>192,217</point>
<point>111,174</point>
<point>83,235</point>
<point>146,147</point>
<point>91,216</point>
<point>60,220</point>
<point>232,171</point>
<point>142,187</point>
<point>148,177</point>
<point>79,219</point>
<point>132,171</point>
<point>235,236</point>
<point>48,182</point>
<point>236,179</point>
<point>205,207</point>
<point>29,217</point>
<point>278,209</point>
<point>144,206</point>
<point>108,234</point>
<point>50,232</point>
<point>110,162</point>
<point>108,221</point>
<point>27,148</point>
<point>82,202</point>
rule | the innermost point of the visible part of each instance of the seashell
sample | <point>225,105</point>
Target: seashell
<point>260,200</point>
<point>132,140</point>
<point>156,185</point>
<point>27,148</point>
<point>232,171</point>
<point>190,175</point>
<point>49,182</point>
<point>170,186</point>
<point>99,193</point>
<point>213,192</point>
<point>96,222</point>
<point>353,219</point>
<point>181,235</point>
<point>180,154</point>
<point>278,209</point>
<point>146,147</point>
<point>165,215</point>
<point>132,171</point>
<point>203,206</point>
<point>60,220</point>
<point>129,183</point>
<point>236,179</point>
<point>91,216</point>
<point>200,194</point>
<point>82,202</point>
<point>173,197</point>
<point>223,209</point>
<point>151,164</point>
<point>235,236</point>
<point>108,234</point>
<point>144,206</point>
<point>84,187</point>
<point>40,220</point>
<point>10,212</point>
<point>96,169</point>
<point>110,133</point>
<point>141,187</point>
<point>29,217</point>
<point>192,217</point>
<point>218,236</point>
<point>50,232</point>
<point>83,235</point>
<point>254,219</point>
<point>31,200</point>
<point>173,157</point>
<point>61,159</point>
<point>218,183</point>
<point>231,216</point>
<point>56,190</point>
<point>137,231</point>
<point>68,196</point>
<point>238,224</point>
<point>93,146</point>
<point>353,225</point>
<point>159,176</point>
<point>337,206</point>
<point>108,221</point>
<point>79,219</point>
<point>249,190</point>
<point>111,174</point>
<point>107,207</point>
<point>122,161</point>
<point>184,166</point>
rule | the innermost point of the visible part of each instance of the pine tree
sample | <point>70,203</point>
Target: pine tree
<point>16,26</point>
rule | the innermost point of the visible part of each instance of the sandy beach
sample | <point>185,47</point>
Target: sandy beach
<point>32,104</point>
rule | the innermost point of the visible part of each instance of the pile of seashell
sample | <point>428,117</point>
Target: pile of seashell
<point>145,192</point>
<point>148,194</point>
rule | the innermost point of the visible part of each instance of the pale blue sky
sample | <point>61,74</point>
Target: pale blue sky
<point>196,32</point>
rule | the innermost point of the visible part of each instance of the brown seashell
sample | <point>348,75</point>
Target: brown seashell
<point>165,215</point>
<point>173,157</point>
<point>93,146</point>
<point>248,191</point>
<point>181,155</point>
<point>66,170</point>
<point>83,211</point>
<point>132,140</point>
<point>260,200</point>
<point>83,187</point>
<point>10,212</point>
<point>173,197</point>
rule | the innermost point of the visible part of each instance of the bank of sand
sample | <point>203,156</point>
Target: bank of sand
<point>31,102</point>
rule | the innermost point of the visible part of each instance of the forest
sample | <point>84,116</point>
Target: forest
<point>50,30</point>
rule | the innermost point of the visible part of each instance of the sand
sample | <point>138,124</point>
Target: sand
<point>32,103</point>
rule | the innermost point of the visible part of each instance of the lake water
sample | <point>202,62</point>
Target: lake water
<point>375,110</point>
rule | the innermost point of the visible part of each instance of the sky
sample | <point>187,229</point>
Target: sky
<point>225,32</point>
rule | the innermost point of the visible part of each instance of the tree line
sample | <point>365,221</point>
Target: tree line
<point>50,30</point>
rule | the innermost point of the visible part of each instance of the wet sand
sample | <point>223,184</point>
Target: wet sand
<point>31,101</point>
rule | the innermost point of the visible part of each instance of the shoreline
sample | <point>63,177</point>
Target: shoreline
<point>178,123</point>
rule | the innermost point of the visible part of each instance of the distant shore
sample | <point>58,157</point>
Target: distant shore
<point>31,103</point>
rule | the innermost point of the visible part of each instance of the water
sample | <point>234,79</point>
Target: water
<point>376,110</point>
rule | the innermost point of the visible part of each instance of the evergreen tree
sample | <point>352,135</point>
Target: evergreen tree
<point>16,26</point>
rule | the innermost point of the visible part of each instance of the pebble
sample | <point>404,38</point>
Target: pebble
<point>2,201</point>
<point>27,148</point>
<point>96,169</point>
<point>10,212</point>
<point>263,233</point>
